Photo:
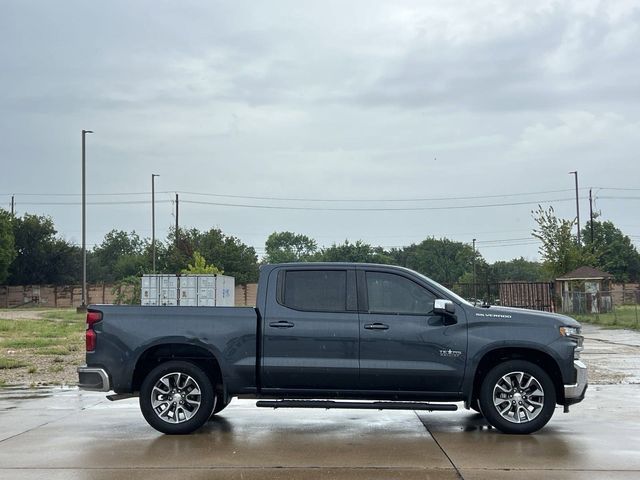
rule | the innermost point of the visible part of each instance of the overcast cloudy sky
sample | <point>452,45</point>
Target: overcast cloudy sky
<point>361,101</point>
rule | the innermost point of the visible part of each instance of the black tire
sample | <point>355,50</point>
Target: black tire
<point>219,405</point>
<point>178,412</point>
<point>537,400</point>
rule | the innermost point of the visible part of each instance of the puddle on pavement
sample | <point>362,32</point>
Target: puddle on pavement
<point>25,392</point>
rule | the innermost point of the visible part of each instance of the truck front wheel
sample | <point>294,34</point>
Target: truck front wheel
<point>517,397</point>
<point>219,405</point>
<point>176,397</point>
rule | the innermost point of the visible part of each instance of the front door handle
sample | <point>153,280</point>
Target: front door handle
<point>376,326</point>
<point>281,324</point>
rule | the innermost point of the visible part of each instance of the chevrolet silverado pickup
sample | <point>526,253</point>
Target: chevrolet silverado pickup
<point>337,335</point>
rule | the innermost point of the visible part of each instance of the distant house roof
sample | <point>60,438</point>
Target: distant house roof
<point>586,273</point>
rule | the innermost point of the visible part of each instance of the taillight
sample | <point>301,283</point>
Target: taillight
<point>93,317</point>
<point>90,336</point>
<point>90,340</point>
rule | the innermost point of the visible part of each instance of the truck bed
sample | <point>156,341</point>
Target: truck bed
<point>127,334</point>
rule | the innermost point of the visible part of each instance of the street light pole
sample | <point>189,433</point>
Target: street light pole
<point>475,288</point>
<point>153,220</point>
<point>577,205</point>
<point>83,307</point>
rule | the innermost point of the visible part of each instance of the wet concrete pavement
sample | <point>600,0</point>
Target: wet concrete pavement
<point>67,434</point>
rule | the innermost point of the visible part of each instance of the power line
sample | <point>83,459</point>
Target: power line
<point>298,199</point>
<point>608,197</point>
<point>511,245</point>
<point>30,194</point>
<point>307,199</point>
<point>422,199</point>
<point>123,202</point>
<point>505,240</point>
<point>373,209</point>
<point>305,208</point>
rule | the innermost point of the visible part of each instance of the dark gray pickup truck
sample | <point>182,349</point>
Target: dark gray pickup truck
<point>337,335</point>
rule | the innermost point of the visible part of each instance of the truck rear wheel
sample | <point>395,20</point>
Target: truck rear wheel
<point>517,397</point>
<point>176,397</point>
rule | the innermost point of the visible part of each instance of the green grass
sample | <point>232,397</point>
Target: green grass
<point>40,328</point>
<point>626,316</point>
<point>30,342</point>
<point>6,363</point>
<point>56,333</point>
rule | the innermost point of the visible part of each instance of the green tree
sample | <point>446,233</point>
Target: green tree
<point>127,290</point>
<point>443,260</point>
<point>226,252</point>
<point>179,249</point>
<point>120,255</point>
<point>516,270</point>
<point>42,258</point>
<point>359,252</point>
<point>283,247</point>
<point>560,250</point>
<point>200,266</point>
<point>229,254</point>
<point>7,245</point>
<point>613,251</point>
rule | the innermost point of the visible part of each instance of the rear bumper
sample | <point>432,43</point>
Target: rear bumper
<point>574,393</point>
<point>95,379</point>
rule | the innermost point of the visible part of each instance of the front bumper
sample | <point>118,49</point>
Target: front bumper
<point>96,379</point>
<point>575,393</point>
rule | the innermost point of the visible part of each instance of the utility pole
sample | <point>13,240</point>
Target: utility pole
<point>475,289</point>
<point>13,205</point>
<point>153,221</point>
<point>591,217</point>
<point>83,306</point>
<point>577,205</point>
<point>177,211</point>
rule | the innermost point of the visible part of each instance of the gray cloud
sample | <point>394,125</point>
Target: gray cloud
<point>327,100</point>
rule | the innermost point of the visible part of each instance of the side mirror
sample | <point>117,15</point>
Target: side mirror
<point>444,307</point>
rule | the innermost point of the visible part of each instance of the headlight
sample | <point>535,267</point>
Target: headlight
<point>574,333</point>
<point>569,331</point>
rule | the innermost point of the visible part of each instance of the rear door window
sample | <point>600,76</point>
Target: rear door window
<point>315,290</point>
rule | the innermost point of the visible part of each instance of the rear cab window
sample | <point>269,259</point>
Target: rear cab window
<point>317,290</point>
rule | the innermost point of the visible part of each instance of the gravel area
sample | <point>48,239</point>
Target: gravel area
<point>43,369</point>
<point>612,355</point>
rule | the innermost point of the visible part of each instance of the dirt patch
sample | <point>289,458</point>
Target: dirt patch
<point>601,375</point>
<point>23,314</point>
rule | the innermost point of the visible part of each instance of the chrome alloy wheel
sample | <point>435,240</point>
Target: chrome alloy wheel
<point>176,397</point>
<point>518,397</point>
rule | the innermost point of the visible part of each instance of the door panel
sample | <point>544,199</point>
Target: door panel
<point>411,349</point>
<point>311,349</point>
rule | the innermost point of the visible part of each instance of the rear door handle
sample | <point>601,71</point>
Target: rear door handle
<point>376,326</point>
<point>281,324</point>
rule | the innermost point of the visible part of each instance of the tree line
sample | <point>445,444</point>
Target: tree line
<point>31,252</point>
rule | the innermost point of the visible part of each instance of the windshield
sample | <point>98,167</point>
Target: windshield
<point>454,295</point>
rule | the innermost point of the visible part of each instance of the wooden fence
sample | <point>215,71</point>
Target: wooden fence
<point>70,296</point>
